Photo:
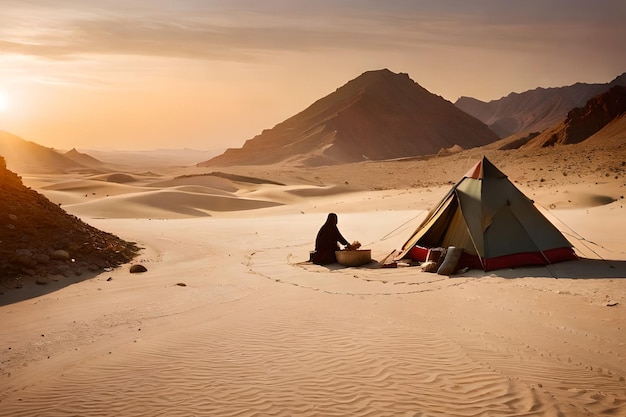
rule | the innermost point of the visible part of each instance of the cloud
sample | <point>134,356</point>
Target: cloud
<point>444,39</point>
<point>248,30</point>
<point>239,36</point>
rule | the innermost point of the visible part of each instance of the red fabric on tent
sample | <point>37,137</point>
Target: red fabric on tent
<point>476,172</point>
<point>418,253</point>
<point>549,256</point>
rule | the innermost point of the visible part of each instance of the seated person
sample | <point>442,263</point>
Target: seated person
<point>326,242</point>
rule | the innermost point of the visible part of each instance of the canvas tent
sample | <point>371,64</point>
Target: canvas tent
<point>494,223</point>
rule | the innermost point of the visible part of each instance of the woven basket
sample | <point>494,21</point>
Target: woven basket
<point>354,257</point>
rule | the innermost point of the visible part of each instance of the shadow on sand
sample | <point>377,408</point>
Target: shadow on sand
<point>18,290</point>
<point>582,268</point>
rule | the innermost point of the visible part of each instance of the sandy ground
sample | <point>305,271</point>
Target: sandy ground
<point>229,319</point>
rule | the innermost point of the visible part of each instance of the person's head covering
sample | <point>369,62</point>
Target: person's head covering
<point>332,218</point>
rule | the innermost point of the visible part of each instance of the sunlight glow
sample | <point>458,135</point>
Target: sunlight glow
<point>4,101</point>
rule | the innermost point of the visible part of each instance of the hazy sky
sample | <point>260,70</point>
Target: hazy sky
<point>204,74</point>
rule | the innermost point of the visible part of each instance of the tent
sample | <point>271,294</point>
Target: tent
<point>494,223</point>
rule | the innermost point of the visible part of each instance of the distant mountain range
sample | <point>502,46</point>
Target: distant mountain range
<point>533,110</point>
<point>378,115</point>
<point>381,115</point>
<point>26,157</point>
<point>582,123</point>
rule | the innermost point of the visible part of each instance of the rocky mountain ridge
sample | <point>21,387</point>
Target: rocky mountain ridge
<point>533,110</point>
<point>583,122</point>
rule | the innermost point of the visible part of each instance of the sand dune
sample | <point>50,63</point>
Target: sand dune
<point>186,196</point>
<point>171,203</point>
<point>91,187</point>
<point>73,192</point>
<point>208,181</point>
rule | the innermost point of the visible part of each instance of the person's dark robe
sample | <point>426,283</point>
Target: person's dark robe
<point>326,242</point>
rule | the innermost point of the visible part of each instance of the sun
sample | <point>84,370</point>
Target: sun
<point>5,101</point>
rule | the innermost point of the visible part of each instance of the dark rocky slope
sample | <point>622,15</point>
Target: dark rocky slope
<point>39,239</point>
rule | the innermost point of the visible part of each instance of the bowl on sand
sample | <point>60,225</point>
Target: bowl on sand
<point>354,257</point>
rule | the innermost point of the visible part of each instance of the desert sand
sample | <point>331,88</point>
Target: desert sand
<point>230,319</point>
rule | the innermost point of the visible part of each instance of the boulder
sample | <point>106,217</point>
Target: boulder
<point>137,268</point>
<point>60,255</point>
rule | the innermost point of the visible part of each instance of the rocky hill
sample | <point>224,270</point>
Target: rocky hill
<point>377,116</point>
<point>39,239</point>
<point>583,122</point>
<point>533,110</point>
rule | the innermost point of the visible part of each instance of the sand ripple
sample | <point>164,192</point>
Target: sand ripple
<point>287,367</point>
<point>263,361</point>
<point>309,341</point>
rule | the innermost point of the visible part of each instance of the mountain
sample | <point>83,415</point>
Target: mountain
<point>533,110</point>
<point>23,156</point>
<point>83,158</point>
<point>583,122</point>
<point>378,115</point>
<point>39,238</point>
